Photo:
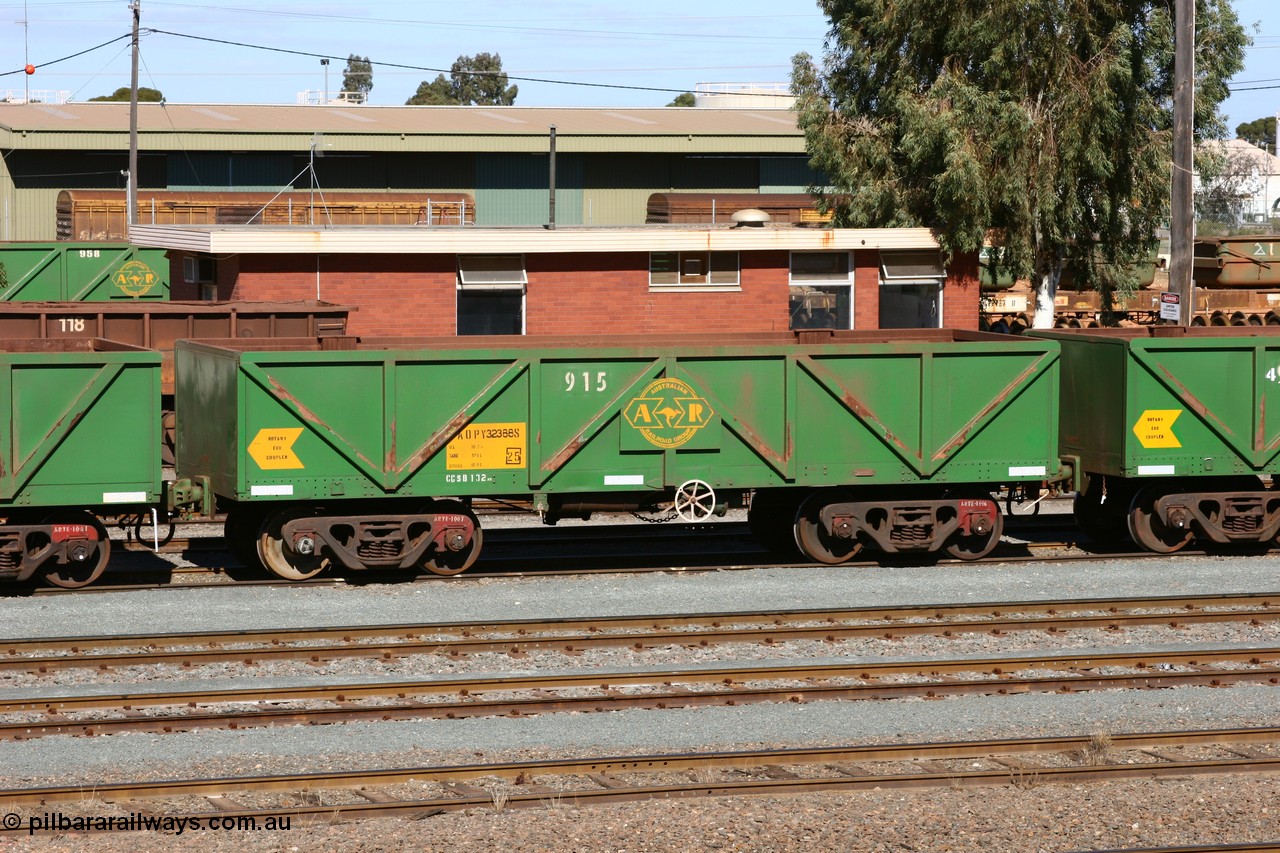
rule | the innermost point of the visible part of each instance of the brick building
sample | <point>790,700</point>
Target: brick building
<point>576,280</point>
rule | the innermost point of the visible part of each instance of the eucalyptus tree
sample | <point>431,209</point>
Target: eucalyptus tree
<point>357,77</point>
<point>472,80</point>
<point>1043,125</point>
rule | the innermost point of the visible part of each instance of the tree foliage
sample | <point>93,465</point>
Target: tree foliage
<point>1231,179</point>
<point>684,99</point>
<point>145,95</point>
<point>1046,123</point>
<point>475,79</point>
<point>357,77</point>
<point>1260,132</point>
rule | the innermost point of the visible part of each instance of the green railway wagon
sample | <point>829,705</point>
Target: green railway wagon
<point>366,452</point>
<point>82,272</point>
<point>81,435</point>
<point>1174,430</point>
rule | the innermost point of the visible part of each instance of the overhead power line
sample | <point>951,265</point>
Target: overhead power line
<point>429,69</point>
<point>71,56</point>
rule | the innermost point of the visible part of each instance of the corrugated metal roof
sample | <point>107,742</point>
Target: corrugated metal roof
<point>221,240</point>
<point>373,120</point>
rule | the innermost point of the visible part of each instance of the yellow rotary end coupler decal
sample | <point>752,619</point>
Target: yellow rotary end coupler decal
<point>1154,428</point>
<point>272,449</point>
<point>135,279</point>
<point>487,447</point>
<point>668,413</point>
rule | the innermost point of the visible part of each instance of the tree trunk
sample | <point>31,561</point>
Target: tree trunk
<point>1046,288</point>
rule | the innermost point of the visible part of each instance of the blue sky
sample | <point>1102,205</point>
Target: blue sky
<point>625,50</point>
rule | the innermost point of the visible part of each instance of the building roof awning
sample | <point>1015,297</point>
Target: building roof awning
<point>228,240</point>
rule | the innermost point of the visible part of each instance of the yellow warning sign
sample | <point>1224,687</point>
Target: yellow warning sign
<point>1155,428</point>
<point>272,449</point>
<point>486,447</point>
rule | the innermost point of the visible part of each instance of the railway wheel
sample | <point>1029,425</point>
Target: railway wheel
<point>772,517</point>
<point>94,559</point>
<point>240,533</point>
<point>285,562</point>
<point>1149,530</point>
<point>814,541</point>
<point>982,538</point>
<point>448,561</point>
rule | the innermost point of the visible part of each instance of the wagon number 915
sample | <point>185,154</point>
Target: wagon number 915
<point>571,381</point>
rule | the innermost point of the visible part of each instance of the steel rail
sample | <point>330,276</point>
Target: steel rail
<point>863,670</point>
<point>738,788</point>
<point>678,698</point>
<point>731,687</point>
<point>654,763</point>
<point>574,635</point>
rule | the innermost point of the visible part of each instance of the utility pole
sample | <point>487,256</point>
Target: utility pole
<point>1181,222</point>
<point>325,95</point>
<point>131,206</point>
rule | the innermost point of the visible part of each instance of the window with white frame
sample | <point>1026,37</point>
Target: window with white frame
<point>911,284</point>
<point>202,272</point>
<point>821,290</point>
<point>491,292</point>
<point>693,271</point>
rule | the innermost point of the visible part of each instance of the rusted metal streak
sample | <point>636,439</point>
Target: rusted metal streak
<point>609,702</point>
<point>631,764</point>
<point>312,418</point>
<point>963,435</point>
<point>871,669</point>
<point>73,415</point>
<point>454,425</point>
<point>1191,400</point>
<point>766,633</point>
<point>858,408</point>
<point>607,412</point>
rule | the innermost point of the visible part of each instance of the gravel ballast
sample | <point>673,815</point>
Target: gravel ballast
<point>1023,816</point>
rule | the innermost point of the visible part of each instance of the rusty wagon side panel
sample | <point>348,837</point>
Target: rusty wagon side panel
<point>347,418</point>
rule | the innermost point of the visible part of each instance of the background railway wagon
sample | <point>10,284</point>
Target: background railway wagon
<point>81,437</point>
<point>1237,284</point>
<point>341,449</point>
<point>82,272</point>
<point>1173,429</point>
<point>675,208</point>
<point>100,214</point>
<point>159,325</point>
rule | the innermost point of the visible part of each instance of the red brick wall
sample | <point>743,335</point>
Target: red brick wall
<point>599,293</point>
<point>395,294</point>
<point>866,289</point>
<point>961,301</point>
<point>567,293</point>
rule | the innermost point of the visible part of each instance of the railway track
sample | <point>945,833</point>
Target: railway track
<point>424,791</point>
<point>516,637</point>
<point>485,696</point>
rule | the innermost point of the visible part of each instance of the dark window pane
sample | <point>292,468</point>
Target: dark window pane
<point>490,312</point>
<point>910,306</point>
